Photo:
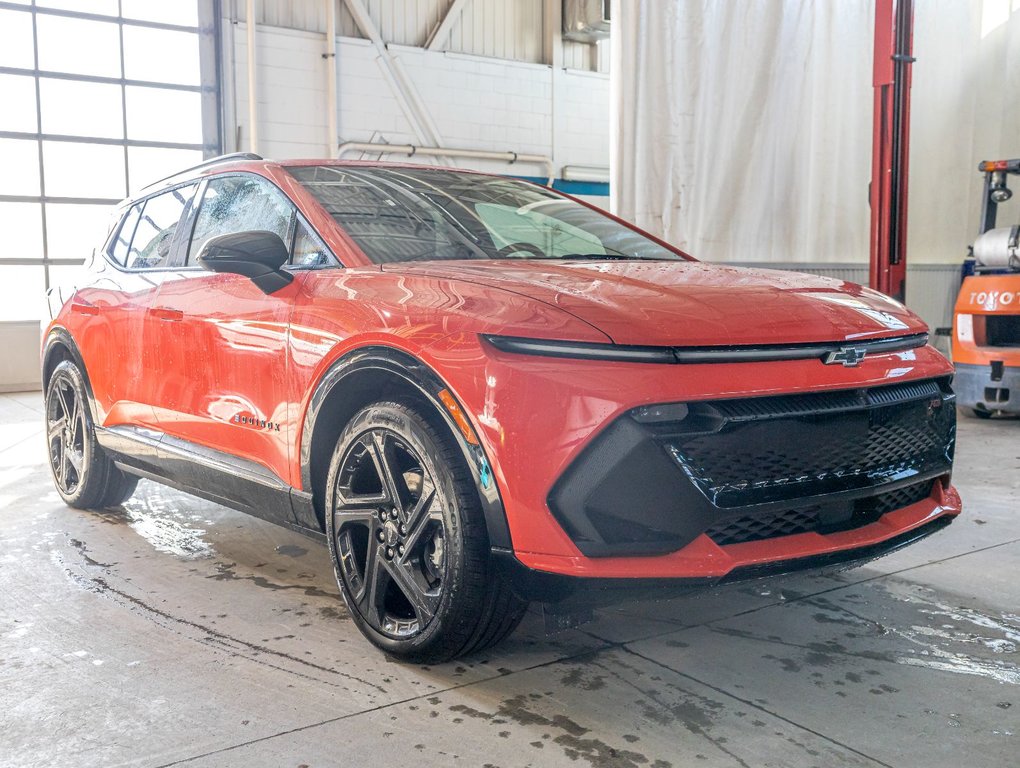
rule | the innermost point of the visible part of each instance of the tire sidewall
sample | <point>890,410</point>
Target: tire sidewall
<point>424,440</point>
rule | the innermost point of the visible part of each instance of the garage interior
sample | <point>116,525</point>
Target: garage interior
<point>173,631</point>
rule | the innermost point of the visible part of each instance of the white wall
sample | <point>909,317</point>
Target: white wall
<point>475,102</point>
<point>503,29</point>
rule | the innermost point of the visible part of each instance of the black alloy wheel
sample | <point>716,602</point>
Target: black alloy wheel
<point>65,434</point>
<point>391,533</point>
<point>408,539</point>
<point>83,474</point>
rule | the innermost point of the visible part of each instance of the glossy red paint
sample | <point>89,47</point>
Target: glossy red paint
<point>209,358</point>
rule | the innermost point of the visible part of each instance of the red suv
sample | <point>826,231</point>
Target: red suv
<point>481,392</point>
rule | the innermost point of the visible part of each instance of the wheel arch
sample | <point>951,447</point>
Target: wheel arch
<point>367,375</point>
<point>60,346</point>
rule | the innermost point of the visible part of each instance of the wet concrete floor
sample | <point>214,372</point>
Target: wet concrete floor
<point>176,632</point>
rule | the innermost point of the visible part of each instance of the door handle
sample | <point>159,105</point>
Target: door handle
<point>163,313</point>
<point>84,309</point>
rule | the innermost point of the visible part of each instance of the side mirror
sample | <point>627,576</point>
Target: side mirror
<point>257,255</point>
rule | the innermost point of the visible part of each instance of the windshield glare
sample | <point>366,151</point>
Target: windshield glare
<point>418,214</point>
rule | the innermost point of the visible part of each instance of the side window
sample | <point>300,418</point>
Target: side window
<point>122,241</point>
<point>308,249</point>
<point>150,247</point>
<point>240,204</point>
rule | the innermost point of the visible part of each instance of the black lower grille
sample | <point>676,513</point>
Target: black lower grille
<point>818,518</point>
<point>783,448</point>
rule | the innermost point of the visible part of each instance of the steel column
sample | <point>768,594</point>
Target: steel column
<point>894,37</point>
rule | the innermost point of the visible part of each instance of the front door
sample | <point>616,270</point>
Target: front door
<point>223,357</point>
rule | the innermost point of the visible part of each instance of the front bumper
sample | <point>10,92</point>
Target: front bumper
<point>753,469</point>
<point>542,586</point>
<point>540,417</point>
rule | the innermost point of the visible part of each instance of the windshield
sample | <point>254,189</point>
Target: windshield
<point>418,214</point>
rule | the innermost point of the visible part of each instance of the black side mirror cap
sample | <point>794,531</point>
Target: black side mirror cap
<point>258,255</point>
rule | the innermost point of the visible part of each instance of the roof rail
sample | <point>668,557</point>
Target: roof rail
<point>205,163</point>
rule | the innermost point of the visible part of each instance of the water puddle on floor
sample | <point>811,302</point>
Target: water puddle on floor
<point>932,633</point>
<point>155,516</point>
<point>951,629</point>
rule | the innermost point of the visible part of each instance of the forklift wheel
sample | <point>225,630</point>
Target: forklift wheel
<point>982,414</point>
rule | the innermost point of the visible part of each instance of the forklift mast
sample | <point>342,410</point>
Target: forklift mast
<point>996,189</point>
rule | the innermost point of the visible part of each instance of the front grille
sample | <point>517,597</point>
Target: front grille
<point>783,448</point>
<point>755,468</point>
<point>819,518</point>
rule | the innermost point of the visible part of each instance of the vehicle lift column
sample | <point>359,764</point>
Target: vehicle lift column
<point>894,42</point>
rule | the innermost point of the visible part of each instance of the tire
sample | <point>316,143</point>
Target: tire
<point>981,414</point>
<point>84,475</point>
<point>416,574</point>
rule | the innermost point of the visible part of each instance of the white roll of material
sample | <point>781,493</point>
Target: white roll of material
<point>998,248</point>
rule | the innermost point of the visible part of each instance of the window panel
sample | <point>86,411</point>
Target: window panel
<point>308,249</point>
<point>81,109</point>
<point>161,56</point>
<point>183,12</point>
<point>16,40</point>
<point>154,234</point>
<point>83,170</point>
<point>119,249</point>
<point>22,293</point>
<point>149,164</point>
<point>158,114</point>
<point>101,7</point>
<point>20,162</point>
<point>74,231</point>
<point>239,204</point>
<point>21,224</point>
<point>17,94</point>
<point>80,46</point>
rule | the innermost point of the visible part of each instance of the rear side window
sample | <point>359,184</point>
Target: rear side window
<point>122,242</point>
<point>241,204</point>
<point>154,232</point>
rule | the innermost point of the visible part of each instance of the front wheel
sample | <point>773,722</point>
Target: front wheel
<point>84,475</point>
<point>408,538</point>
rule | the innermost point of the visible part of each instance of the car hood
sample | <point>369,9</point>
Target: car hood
<point>691,303</point>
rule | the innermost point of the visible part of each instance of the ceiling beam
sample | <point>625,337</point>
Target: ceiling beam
<point>441,33</point>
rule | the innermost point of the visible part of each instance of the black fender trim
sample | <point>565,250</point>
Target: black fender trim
<point>428,384</point>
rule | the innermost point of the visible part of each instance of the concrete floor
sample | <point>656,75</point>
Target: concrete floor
<point>176,632</point>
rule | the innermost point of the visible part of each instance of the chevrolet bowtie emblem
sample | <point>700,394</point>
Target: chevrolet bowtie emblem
<point>848,356</point>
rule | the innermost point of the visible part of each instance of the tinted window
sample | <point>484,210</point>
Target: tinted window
<point>417,214</point>
<point>154,234</point>
<point>240,204</point>
<point>122,242</point>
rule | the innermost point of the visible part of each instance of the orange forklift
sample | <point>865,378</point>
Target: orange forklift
<point>986,320</point>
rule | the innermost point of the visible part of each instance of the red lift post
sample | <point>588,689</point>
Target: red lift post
<point>894,42</point>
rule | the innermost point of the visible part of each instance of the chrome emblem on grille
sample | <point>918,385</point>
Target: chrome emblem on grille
<point>848,356</point>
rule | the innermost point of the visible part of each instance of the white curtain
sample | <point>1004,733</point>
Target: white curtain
<point>741,131</point>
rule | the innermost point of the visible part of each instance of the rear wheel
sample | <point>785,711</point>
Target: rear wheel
<point>83,474</point>
<point>408,538</point>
